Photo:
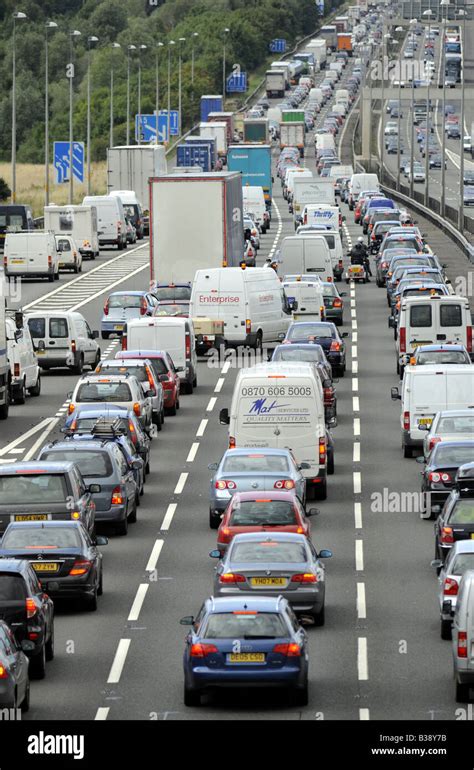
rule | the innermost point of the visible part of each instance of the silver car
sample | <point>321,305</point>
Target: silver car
<point>450,425</point>
<point>143,370</point>
<point>281,564</point>
<point>124,391</point>
<point>246,470</point>
<point>459,559</point>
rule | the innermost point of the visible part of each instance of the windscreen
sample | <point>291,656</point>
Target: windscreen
<point>90,463</point>
<point>457,424</point>
<point>255,463</point>
<point>230,625</point>
<point>261,513</point>
<point>41,488</point>
<point>452,456</point>
<point>39,537</point>
<point>463,512</point>
<point>269,552</point>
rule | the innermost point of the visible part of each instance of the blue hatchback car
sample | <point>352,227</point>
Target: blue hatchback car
<point>245,641</point>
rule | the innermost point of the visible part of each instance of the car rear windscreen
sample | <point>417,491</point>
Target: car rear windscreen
<point>37,489</point>
<point>104,391</point>
<point>452,456</point>
<point>457,424</point>
<point>37,327</point>
<point>138,371</point>
<point>463,512</point>
<point>255,463</point>
<point>41,537</point>
<point>269,551</point>
<point>261,513</point>
<point>172,293</point>
<point>12,587</point>
<point>229,625</point>
<point>420,316</point>
<point>90,463</point>
<point>125,300</point>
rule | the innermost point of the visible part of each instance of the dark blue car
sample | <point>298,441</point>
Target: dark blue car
<point>322,333</point>
<point>245,641</point>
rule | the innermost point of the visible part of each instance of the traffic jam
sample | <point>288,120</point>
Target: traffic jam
<point>64,510</point>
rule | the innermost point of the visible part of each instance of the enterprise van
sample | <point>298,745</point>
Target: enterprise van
<point>427,390</point>
<point>251,302</point>
<point>112,228</point>
<point>306,254</point>
<point>281,405</point>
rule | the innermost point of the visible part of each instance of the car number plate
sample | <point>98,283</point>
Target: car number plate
<point>425,420</point>
<point>118,327</point>
<point>267,581</point>
<point>246,657</point>
<point>421,342</point>
<point>45,566</point>
<point>472,535</point>
<point>31,517</point>
<point>40,352</point>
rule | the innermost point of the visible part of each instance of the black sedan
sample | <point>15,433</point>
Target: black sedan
<point>438,476</point>
<point>63,556</point>
<point>324,334</point>
<point>456,521</point>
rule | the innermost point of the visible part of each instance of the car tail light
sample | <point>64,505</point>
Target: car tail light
<point>119,227</point>
<point>73,346</point>
<point>304,577</point>
<point>143,306</point>
<point>435,477</point>
<point>291,650</point>
<point>337,303</point>
<point>322,450</point>
<point>335,346</point>
<point>328,393</point>
<point>3,672</point>
<point>225,484</point>
<point>188,345</point>
<point>384,265</point>
<point>372,237</point>
<point>451,587</point>
<point>447,535</point>
<point>106,307</point>
<point>50,260</point>
<point>137,409</point>
<point>201,650</point>
<point>403,339</point>
<point>248,325</point>
<point>16,370</point>
<point>31,608</point>
<point>151,383</point>
<point>33,635</point>
<point>231,577</point>
<point>284,484</point>
<point>469,339</point>
<point>117,498</point>
<point>406,420</point>
<point>462,644</point>
<point>231,442</point>
<point>71,408</point>
<point>124,340</point>
<point>133,433</point>
<point>80,567</point>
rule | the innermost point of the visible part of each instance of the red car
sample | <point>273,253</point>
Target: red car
<point>263,512</point>
<point>164,370</point>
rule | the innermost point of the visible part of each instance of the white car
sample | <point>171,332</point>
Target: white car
<point>70,258</point>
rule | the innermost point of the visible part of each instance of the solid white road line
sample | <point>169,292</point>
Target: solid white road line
<point>154,556</point>
<point>211,404</point>
<point>102,713</point>
<point>192,452</point>
<point>362,663</point>
<point>24,436</point>
<point>361,605</point>
<point>42,438</point>
<point>119,661</point>
<point>219,385</point>
<point>181,483</point>
<point>364,715</point>
<point>168,518</point>
<point>358,515</point>
<point>356,453</point>
<point>138,601</point>
<point>359,555</point>
<point>202,428</point>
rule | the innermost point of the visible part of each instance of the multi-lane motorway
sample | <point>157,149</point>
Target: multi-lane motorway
<point>379,656</point>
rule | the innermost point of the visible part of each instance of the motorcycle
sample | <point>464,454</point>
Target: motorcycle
<point>356,273</point>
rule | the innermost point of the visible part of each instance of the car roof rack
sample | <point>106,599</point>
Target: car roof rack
<point>106,426</point>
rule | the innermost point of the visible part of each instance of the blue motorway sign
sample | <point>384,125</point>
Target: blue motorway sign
<point>236,83</point>
<point>147,124</point>
<point>61,161</point>
<point>278,45</point>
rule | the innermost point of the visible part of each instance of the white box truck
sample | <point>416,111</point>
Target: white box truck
<point>196,221</point>
<point>318,48</point>
<point>293,135</point>
<point>217,131</point>
<point>129,167</point>
<point>275,83</point>
<point>308,191</point>
<point>80,222</point>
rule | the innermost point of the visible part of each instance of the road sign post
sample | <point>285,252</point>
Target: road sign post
<point>62,161</point>
<point>145,126</point>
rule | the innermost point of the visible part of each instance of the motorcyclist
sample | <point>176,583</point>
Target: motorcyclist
<point>359,255</point>
<point>269,262</point>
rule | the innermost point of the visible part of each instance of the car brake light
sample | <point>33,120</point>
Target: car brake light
<point>248,325</point>
<point>462,644</point>
<point>306,577</point>
<point>406,420</point>
<point>3,672</point>
<point>435,477</point>
<point>451,587</point>
<point>225,484</point>
<point>231,577</point>
<point>143,306</point>
<point>322,450</point>
<point>447,535</point>
<point>31,608</point>
<point>137,409</point>
<point>73,346</point>
<point>337,303</point>
<point>188,345</point>
<point>106,307</point>
<point>80,567</point>
<point>150,381</point>
<point>71,408</point>
<point>200,650</point>
<point>117,498</point>
<point>291,650</point>
<point>403,339</point>
<point>469,339</point>
<point>284,484</point>
<point>50,260</point>
<point>231,442</point>
<point>16,370</point>
<point>335,345</point>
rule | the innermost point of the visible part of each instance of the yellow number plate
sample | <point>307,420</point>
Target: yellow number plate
<point>425,421</point>
<point>246,657</point>
<point>472,535</point>
<point>118,328</point>
<point>267,581</point>
<point>31,517</point>
<point>45,566</point>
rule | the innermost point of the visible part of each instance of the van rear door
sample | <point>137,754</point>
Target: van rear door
<point>420,325</point>
<point>452,321</point>
<point>460,388</point>
<point>428,396</point>
<point>171,337</point>
<point>222,297</point>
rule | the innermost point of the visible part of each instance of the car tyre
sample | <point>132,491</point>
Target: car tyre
<point>121,528</point>
<point>319,617</point>
<point>446,630</point>
<point>172,409</point>
<point>191,697</point>
<point>100,587</point>
<point>299,696</point>
<point>407,451</point>
<point>36,389</point>
<point>38,664</point>
<point>462,693</point>
<point>21,397</point>
<point>91,601</point>
<point>321,491</point>
<point>330,463</point>
<point>214,519</point>
<point>49,645</point>
<point>25,705</point>
<point>189,388</point>
<point>105,335</point>
<point>132,517</point>
<point>78,368</point>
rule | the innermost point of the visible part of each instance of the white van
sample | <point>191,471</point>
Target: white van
<point>324,142</point>
<point>63,338</point>
<point>251,302</point>
<point>25,372</point>
<point>304,173</point>
<point>299,170</point>
<point>281,405</point>
<point>432,319</point>
<point>80,222</point>
<point>253,200</point>
<point>31,254</point>
<point>334,241</point>
<point>322,214</point>
<point>112,228</point>
<point>306,254</point>
<point>359,182</point>
<point>316,95</point>
<point>69,255</point>
<point>132,207</point>
<point>463,638</point>
<point>309,300</point>
<point>342,97</point>
<point>175,335</point>
<point>427,390</point>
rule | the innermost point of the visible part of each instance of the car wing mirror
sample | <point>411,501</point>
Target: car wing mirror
<point>304,467</point>
<point>213,466</point>
<point>94,489</point>
<point>420,460</point>
<point>395,394</point>
<point>215,554</point>
<point>325,554</point>
<point>224,417</point>
<point>187,621</point>
<point>101,540</point>
<point>313,512</point>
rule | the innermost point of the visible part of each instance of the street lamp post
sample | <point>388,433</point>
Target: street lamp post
<point>141,48</point>
<point>193,38</point>
<point>413,23</point>
<point>399,29</point>
<point>168,137</point>
<point>226,32</point>
<point>75,33</point>
<point>443,119</point>
<point>49,25</point>
<point>429,13</point>
<point>157,82</point>
<point>386,37</point>
<point>111,132</point>
<point>17,15</point>
<point>462,13</point>
<point>90,39</point>
<point>130,48</point>
<point>180,41</point>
